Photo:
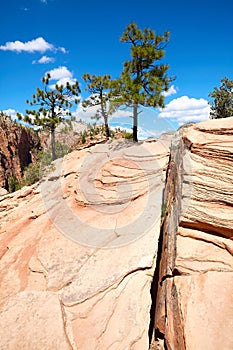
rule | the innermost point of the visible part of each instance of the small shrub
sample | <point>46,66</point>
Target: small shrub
<point>163,210</point>
<point>13,183</point>
<point>31,174</point>
<point>61,149</point>
<point>112,133</point>
<point>45,157</point>
<point>128,135</point>
<point>83,138</point>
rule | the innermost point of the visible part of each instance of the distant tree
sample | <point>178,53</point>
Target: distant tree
<point>142,81</point>
<point>222,103</point>
<point>99,87</point>
<point>53,106</point>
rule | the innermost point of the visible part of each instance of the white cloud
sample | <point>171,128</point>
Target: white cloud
<point>35,45</point>
<point>121,114</point>
<point>185,109</point>
<point>11,113</point>
<point>171,91</point>
<point>121,126</point>
<point>62,49</point>
<point>44,60</point>
<point>60,73</point>
<point>87,114</point>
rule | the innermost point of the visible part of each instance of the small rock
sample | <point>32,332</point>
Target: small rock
<point>3,191</point>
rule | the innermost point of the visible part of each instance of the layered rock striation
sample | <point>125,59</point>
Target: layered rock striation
<point>194,306</point>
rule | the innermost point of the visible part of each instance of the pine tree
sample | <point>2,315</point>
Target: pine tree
<point>143,80</point>
<point>53,106</point>
<point>222,103</point>
<point>99,88</point>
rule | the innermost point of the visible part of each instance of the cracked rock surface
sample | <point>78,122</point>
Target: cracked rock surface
<point>78,251</point>
<point>85,263</point>
<point>194,306</point>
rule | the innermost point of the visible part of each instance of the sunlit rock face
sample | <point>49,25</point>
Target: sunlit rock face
<point>194,307</point>
<point>17,147</point>
<point>79,249</point>
<point>123,246</point>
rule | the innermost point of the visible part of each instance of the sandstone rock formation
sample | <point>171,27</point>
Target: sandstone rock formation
<point>17,144</point>
<point>85,263</point>
<point>78,251</point>
<point>3,191</point>
<point>194,307</point>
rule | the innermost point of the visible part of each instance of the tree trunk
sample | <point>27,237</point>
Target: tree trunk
<point>107,132</point>
<point>53,147</point>
<point>135,123</point>
<point>105,116</point>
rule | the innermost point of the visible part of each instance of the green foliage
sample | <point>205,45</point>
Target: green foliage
<point>118,129</point>
<point>13,183</point>
<point>31,175</point>
<point>163,210</point>
<point>99,87</point>
<point>53,104</point>
<point>83,138</point>
<point>34,171</point>
<point>93,133</point>
<point>142,80</point>
<point>128,135</point>
<point>45,157</point>
<point>112,133</point>
<point>72,118</point>
<point>222,103</point>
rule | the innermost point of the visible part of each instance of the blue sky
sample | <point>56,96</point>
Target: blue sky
<point>71,37</point>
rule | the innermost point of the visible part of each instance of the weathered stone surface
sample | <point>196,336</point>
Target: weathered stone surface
<point>33,320</point>
<point>117,318</point>
<point>17,148</point>
<point>77,266</point>
<point>3,191</point>
<point>206,304</point>
<point>208,191</point>
<point>78,251</point>
<point>194,308</point>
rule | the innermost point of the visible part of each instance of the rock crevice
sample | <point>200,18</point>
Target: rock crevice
<point>96,262</point>
<point>197,242</point>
